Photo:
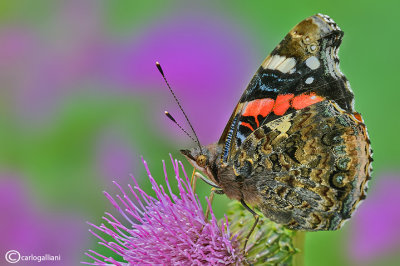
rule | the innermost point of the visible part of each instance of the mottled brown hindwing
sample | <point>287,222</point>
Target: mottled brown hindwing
<point>310,167</point>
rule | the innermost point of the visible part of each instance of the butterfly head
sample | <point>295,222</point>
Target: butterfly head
<point>204,160</point>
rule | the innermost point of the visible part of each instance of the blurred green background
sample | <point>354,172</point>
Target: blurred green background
<point>81,101</point>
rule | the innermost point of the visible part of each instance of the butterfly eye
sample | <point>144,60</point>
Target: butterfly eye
<point>201,160</point>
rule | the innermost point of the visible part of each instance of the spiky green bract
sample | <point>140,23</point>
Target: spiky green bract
<point>269,244</point>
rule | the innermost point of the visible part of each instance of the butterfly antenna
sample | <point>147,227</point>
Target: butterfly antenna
<point>176,123</point>
<point>180,107</point>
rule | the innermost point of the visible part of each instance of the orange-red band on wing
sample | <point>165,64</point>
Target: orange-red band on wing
<point>279,106</point>
<point>247,125</point>
<point>282,103</point>
<point>259,107</point>
<point>303,100</point>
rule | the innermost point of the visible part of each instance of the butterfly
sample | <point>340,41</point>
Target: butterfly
<point>294,146</point>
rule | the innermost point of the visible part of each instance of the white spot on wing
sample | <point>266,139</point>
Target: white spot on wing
<point>313,63</point>
<point>266,62</point>
<point>276,60</point>
<point>287,65</point>
<point>309,80</point>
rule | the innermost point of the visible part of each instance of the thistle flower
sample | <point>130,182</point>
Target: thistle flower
<point>270,243</point>
<point>167,229</point>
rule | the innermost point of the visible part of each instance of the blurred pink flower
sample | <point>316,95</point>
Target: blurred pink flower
<point>168,229</point>
<point>207,59</point>
<point>375,230</point>
<point>30,230</point>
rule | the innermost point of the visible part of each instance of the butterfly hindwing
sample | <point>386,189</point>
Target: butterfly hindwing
<point>307,167</point>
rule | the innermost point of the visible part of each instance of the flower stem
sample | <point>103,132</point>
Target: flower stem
<point>298,242</point>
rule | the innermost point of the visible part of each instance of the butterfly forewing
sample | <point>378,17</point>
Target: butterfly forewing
<point>302,70</point>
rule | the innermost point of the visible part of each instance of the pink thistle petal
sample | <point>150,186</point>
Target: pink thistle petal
<point>169,229</point>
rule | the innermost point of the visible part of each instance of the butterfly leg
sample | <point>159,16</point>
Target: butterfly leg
<point>256,217</point>
<point>197,175</point>
<point>210,199</point>
<point>207,181</point>
<point>193,180</point>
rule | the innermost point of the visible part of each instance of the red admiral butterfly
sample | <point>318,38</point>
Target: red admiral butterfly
<point>294,146</point>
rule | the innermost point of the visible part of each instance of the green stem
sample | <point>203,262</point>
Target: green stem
<point>298,242</point>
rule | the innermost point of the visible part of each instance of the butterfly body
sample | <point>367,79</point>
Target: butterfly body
<point>294,146</point>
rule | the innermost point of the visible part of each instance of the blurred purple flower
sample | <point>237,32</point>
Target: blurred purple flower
<point>31,230</point>
<point>167,229</point>
<point>206,58</point>
<point>41,67</point>
<point>375,230</point>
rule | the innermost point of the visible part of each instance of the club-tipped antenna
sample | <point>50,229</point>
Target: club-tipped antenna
<point>180,107</point>
<point>176,123</point>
